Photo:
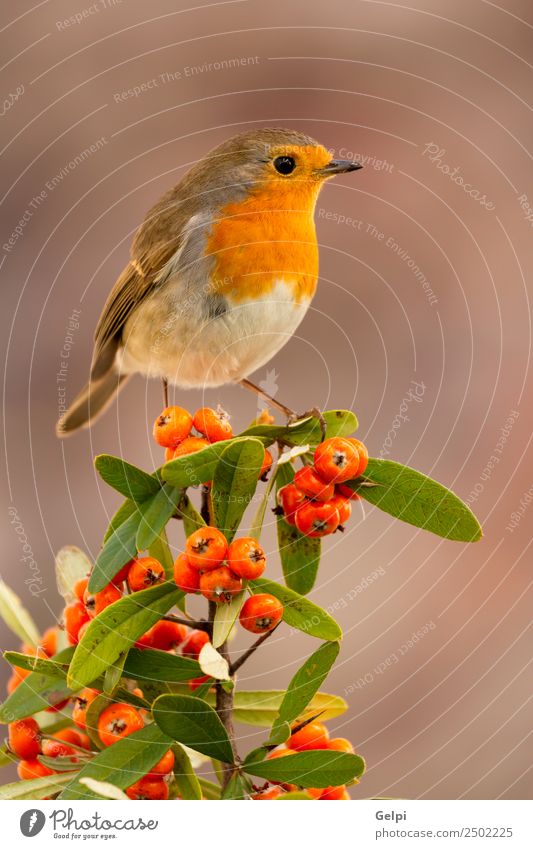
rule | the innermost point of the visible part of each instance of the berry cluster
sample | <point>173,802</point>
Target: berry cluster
<point>173,430</point>
<point>317,502</point>
<point>304,738</point>
<point>217,570</point>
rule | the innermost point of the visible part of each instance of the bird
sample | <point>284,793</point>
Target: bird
<point>221,272</point>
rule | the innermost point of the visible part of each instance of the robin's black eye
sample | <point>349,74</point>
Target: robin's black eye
<point>284,164</point>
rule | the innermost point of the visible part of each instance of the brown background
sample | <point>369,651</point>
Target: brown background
<point>449,718</point>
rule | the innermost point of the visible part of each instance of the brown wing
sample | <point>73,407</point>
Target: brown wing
<point>157,240</point>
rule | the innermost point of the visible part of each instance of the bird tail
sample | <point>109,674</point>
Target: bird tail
<point>90,403</point>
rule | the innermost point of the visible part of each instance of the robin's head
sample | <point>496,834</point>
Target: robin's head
<point>284,165</point>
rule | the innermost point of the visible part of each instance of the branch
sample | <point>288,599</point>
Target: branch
<point>245,655</point>
<point>224,704</point>
<point>198,624</point>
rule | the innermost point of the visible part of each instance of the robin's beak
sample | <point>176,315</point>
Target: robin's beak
<point>339,166</point>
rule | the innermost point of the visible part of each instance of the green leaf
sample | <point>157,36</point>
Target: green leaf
<point>160,549</point>
<point>225,618</point>
<point>238,787</point>
<point>113,674</point>
<point>156,512</point>
<point>123,763</point>
<point>92,715</point>
<point>71,565</point>
<point>16,617</point>
<point>192,519</point>
<point>6,758</point>
<point>418,500</point>
<point>104,789</point>
<point>37,692</point>
<point>192,721</point>
<point>319,768</point>
<point>67,763</point>
<point>126,509</point>
<point>338,423</point>
<point>294,795</point>
<point>156,665</point>
<point>209,789</point>
<point>299,612</point>
<point>303,687</point>
<point>299,554</point>
<point>127,479</point>
<point>197,468</point>
<point>117,550</point>
<point>35,788</point>
<point>234,483</point>
<point>45,665</point>
<point>259,517</point>
<point>116,628</point>
<point>260,708</point>
<point>184,775</point>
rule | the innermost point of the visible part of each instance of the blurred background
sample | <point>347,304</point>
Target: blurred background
<point>421,325</point>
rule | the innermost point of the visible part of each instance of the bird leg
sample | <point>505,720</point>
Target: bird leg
<point>165,391</point>
<point>247,384</point>
<point>291,415</point>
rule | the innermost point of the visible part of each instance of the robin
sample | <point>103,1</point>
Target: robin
<point>222,272</point>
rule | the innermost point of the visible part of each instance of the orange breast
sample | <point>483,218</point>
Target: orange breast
<point>268,236</point>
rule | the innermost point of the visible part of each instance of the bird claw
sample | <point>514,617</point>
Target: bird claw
<point>315,413</point>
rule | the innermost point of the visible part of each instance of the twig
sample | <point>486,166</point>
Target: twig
<point>198,624</point>
<point>245,655</point>
<point>205,511</point>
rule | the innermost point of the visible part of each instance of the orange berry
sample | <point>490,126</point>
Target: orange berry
<point>172,426</point>
<point>343,505</point>
<point>122,574</point>
<point>220,585</point>
<point>17,677</point>
<point>206,548</point>
<point>83,700</point>
<point>148,788</point>
<point>336,460</point>
<point>117,721</point>
<point>31,768</point>
<point>363,455</point>
<point>261,613</point>
<point>340,744</point>
<point>49,641</point>
<point>279,753</point>
<point>246,558</point>
<point>346,492</point>
<point>94,604</point>
<point>74,616</point>
<point>289,498</point>
<point>311,484</point>
<point>194,644</point>
<point>317,520</point>
<point>163,766</point>
<point>271,793</point>
<point>266,466</point>
<point>314,735</point>
<point>195,683</point>
<point>314,792</point>
<point>166,635</point>
<point>213,424</point>
<point>25,738</point>
<point>80,587</point>
<point>57,748</point>
<point>334,793</point>
<point>186,577</point>
<point>190,446</point>
<point>145,572</point>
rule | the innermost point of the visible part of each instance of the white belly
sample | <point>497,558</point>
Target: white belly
<point>192,352</point>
